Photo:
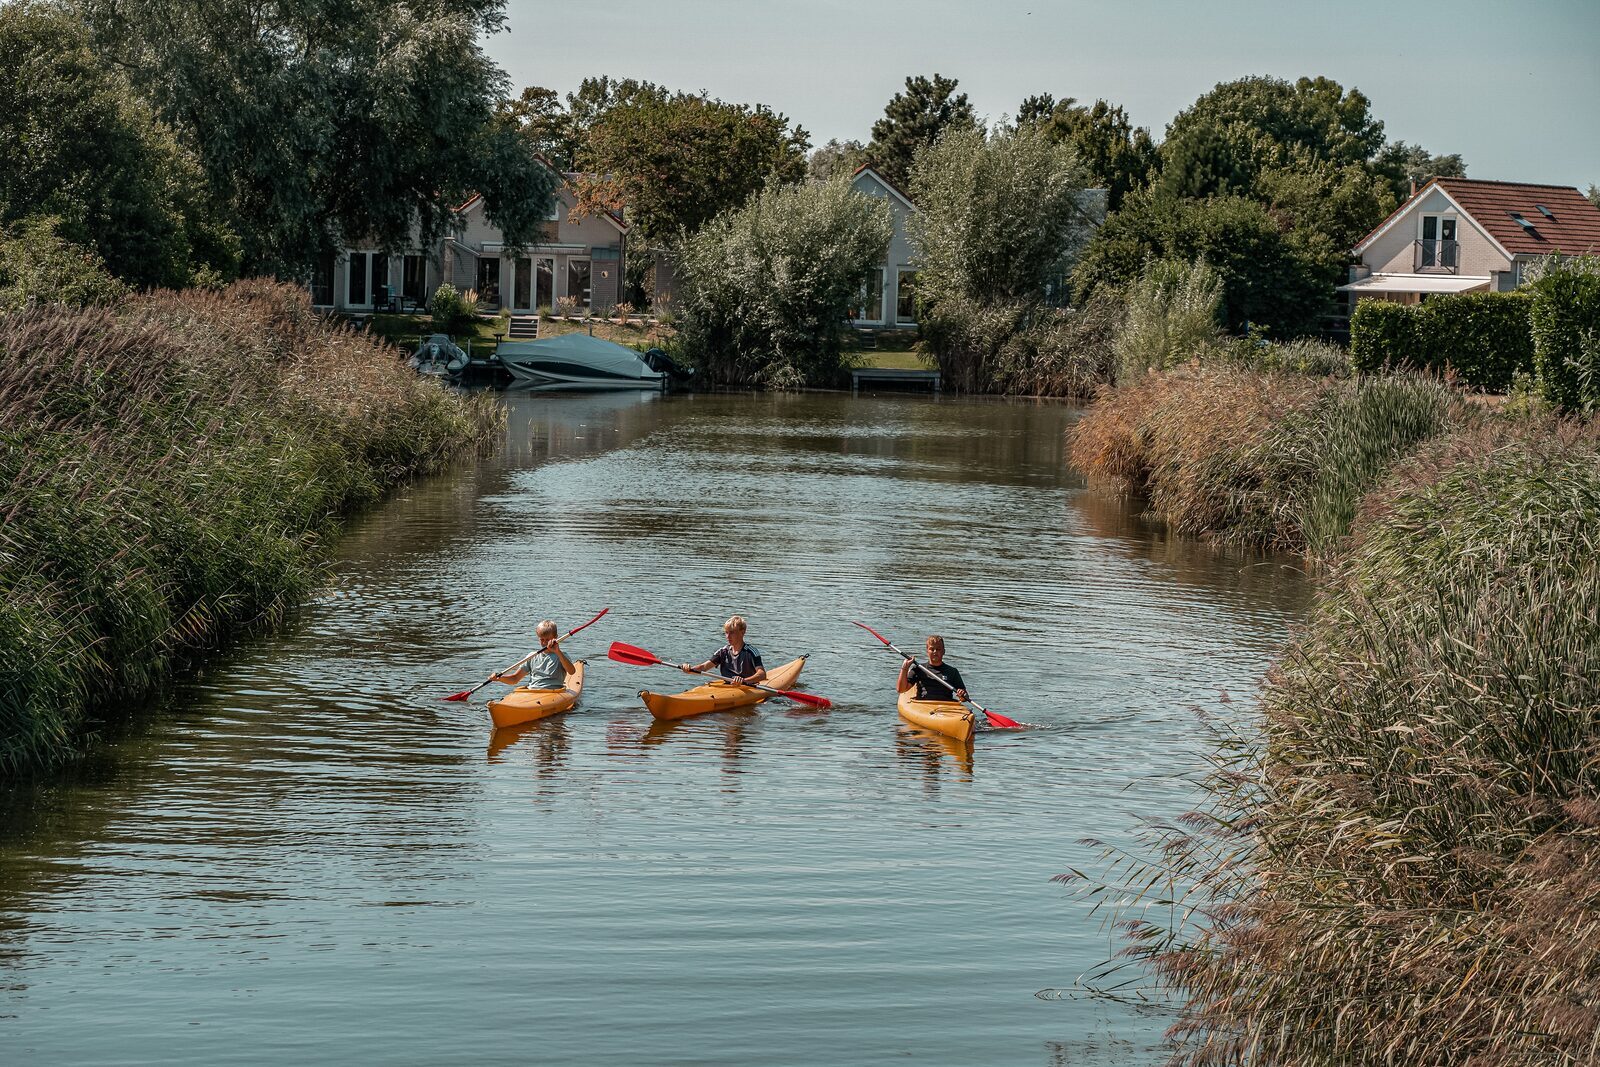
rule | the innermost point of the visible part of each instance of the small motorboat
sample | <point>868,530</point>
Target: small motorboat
<point>438,357</point>
<point>576,361</point>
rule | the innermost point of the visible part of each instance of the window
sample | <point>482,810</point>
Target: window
<point>380,281</point>
<point>1520,221</point>
<point>1438,245</point>
<point>544,286</point>
<point>415,280</point>
<point>322,281</point>
<point>489,281</point>
<point>578,281</point>
<point>522,289</point>
<point>869,302</point>
<point>356,279</point>
<point>1546,212</point>
<point>905,304</point>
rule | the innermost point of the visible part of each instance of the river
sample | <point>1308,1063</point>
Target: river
<point>306,856</point>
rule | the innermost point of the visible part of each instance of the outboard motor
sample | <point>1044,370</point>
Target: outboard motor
<point>657,360</point>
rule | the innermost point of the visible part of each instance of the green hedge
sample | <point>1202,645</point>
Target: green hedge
<point>1484,337</point>
<point>1566,334</point>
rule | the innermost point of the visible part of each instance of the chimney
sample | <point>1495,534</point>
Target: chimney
<point>1413,187</point>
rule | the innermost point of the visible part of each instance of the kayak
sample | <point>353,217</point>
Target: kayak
<point>948,717</point>
<point>526,705</point>
<point>719,696</point>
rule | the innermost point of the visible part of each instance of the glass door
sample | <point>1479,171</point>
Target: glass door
<point>356,292</point>
<point>522,285</point>
<point>489,282</point>
<point>544,287</point>
<point>380,281</point>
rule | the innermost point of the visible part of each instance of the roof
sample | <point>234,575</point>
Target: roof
<point>885,182</point>
<point>569,178</point>
<point>1414,283</point>
<point>1572,224</point>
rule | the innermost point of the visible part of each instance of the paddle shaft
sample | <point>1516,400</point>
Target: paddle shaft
<point>642,657</point>
<point>534,653</point>
<point>730,681</point>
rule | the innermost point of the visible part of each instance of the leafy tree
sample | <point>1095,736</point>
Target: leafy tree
<point>1407,164</point>
<point>676,162</point>
<point>331,120</point>
<point>1594,194</point>
<point>999,218</point>
<point>835,158</point>
<point>1327,208</point>
<point>84,151</point>
<point>1115,155</point>
<point>915,118</point>
<point>545,124</point>
<point>1222,142</point>
<point>1269,279</point>
<point>767,287</point>
<point>37,266</point>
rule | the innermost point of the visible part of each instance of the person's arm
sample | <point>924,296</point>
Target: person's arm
<point>904,682</point>
<point>512,676</point>
<point>756,676</point>
<point>561,654</point>
<point>696,668</point>
<point>960,686</point>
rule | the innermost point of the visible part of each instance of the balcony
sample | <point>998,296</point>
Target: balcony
<point>1435,257</point>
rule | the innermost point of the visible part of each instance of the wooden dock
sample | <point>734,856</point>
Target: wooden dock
<point>898,379</point>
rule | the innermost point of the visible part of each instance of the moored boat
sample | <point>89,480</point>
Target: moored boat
<point>948,717</point>
<point>576,361</point>
<point>526,705</point>
<point>719,696</point>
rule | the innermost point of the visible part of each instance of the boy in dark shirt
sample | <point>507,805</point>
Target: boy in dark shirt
<point>740,663</point>
<point>927,688</point>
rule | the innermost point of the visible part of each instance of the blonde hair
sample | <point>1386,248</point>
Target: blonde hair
<point>935,639</point>
<point>735,622</point>
<point>547,628</point>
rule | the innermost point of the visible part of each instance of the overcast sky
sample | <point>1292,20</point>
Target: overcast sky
<point>1513,85</point>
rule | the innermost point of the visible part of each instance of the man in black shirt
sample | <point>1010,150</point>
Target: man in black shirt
<point>927,688</point>
<point>740,663</point>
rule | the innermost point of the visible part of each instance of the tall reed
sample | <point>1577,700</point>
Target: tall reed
<point>168,470</point>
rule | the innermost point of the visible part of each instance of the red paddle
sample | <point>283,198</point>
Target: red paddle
<point>465,693</point>
<point>995,719</point>
<point>638,657</point>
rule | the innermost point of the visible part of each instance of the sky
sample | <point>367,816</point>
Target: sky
<point>1512,85</point>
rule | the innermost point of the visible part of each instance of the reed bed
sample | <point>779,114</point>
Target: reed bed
<point>1405,867</point>
<point>168,470</point>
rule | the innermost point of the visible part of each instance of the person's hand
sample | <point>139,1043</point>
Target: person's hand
<point>961,694</point>
<point>553,645</point>
<point>684,667</point>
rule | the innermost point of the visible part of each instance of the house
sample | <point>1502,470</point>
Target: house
<point>1461,235</point>
<point>576,259</point>
<point>889,300</point>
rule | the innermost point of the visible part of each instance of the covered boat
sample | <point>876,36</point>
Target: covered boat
<point>438,357</point>
<point>577,361</point>
<point>720,696</point>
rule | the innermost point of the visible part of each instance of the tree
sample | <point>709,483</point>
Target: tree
<point>545,124</point>
<point>1409,165</point>
<point>767,287</point>
<point>1225,139</point>
<point>999,218</point>
<point>1269,279</point>
<point>1115,155</point>
<point>835,158</point>
<point>1594,194</point>
<point>85,152</point>
<point>676,162</point>
<point>328,121</point>
<point>914,119</point>
<point>38,267</point>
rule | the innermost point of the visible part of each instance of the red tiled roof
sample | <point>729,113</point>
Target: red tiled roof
<point>1572,227</point>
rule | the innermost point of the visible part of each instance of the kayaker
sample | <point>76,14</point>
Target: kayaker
<point>547,668</point>
<point>916,674</point>
<point>740,663</point>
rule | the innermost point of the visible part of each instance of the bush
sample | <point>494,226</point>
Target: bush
<point>37,267</point>
<point>766,289</point>
<point>168,471</point>
<point>1483,337</point>
<point>1407,870</point>
<point>453,312</point>
<point>1303,355</point>
<point>1171,317</point>
<point>1566,333</point>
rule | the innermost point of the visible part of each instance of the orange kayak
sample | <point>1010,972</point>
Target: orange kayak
<point>948,717</point>
<point>526,705</point>
<point>719,696</point>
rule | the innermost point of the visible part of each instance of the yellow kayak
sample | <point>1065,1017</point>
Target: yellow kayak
<point>948,717</point>
<point>719,696</point>
<point>526,705</point>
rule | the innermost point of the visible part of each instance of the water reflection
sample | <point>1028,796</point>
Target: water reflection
<point>934,754</point>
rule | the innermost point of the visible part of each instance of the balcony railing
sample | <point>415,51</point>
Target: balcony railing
<point>1436,257</point>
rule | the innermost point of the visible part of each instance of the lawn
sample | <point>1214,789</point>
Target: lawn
<point>408,331</point>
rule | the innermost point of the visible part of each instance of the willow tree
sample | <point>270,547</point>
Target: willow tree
<point>322,121</point>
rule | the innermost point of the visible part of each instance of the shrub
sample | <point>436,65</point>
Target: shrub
<point>167,472</point>
<point>37,266</point>
<point>1566,332</point>
<point>1483,337</point>
<point>1303,355</point>
<point>453,311</point>
<point>766,289</point>
<point>1406,870</point>
<point>1171,317</point>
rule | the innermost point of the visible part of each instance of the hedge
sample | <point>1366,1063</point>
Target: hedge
<point>1484,337</point>
<point>1566,334</point>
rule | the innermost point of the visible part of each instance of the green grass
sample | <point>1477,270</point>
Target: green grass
<point>881,360</point>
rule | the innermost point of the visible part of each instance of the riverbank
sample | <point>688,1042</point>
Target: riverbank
<point>169,470</point>
<point>1411,843</point>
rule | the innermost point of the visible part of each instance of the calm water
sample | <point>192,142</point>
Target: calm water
<point>310,858</point>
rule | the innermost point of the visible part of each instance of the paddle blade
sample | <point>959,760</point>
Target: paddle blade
<point>588,624</point>
<point>464,694</point>
<point>871,631</point>
<point>632,654</point>
<point>1000,722</point>
<point>806,698</point>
